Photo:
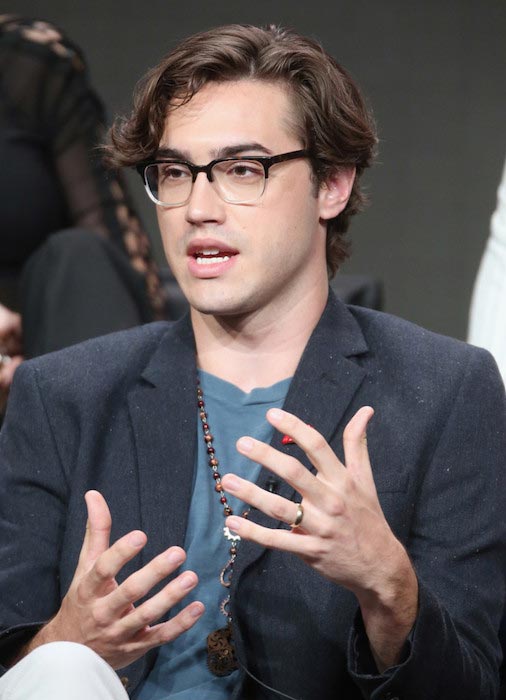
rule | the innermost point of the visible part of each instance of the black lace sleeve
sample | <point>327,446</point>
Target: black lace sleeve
<point>45,88</point>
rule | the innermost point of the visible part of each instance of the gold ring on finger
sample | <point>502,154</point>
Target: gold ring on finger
<point>299,516</point>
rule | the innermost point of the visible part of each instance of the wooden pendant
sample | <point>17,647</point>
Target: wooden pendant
<point>221,659</point>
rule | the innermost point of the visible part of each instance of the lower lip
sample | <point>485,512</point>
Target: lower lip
<point>209,270</point>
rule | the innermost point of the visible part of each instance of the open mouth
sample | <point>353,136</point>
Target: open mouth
<point>208,252</point>
<point>211,256</point>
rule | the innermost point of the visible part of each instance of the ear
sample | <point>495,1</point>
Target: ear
<point>335,192</point>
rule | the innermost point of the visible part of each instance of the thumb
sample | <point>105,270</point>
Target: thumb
<point>98,529</point>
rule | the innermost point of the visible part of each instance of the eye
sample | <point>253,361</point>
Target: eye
<point>244,169</point>
<point>172,172</point>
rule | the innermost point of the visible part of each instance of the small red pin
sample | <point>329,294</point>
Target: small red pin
<point>287,440</point>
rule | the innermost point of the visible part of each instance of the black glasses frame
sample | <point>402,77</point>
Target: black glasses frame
<point>265,161</point>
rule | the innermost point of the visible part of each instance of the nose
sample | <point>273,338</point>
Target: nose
<point>205,205</point>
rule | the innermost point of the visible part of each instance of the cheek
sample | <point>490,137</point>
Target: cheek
<point>167,225</point>
<point>162,222</point>
<point>294,221</point>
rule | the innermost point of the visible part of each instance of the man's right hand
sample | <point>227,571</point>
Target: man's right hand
<point>100,613</point>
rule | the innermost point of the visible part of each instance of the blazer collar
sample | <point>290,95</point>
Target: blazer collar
<point>162,408</point>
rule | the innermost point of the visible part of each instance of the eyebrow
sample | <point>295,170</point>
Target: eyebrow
<point>225,152</point>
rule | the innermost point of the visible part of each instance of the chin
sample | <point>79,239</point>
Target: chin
<point>209,309</point>
<point>209,299</point>
<point>221,307</point>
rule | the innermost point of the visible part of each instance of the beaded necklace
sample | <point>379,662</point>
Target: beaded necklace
<point>221,659</point>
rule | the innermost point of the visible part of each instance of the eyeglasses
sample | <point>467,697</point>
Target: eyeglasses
<point>169,183</point>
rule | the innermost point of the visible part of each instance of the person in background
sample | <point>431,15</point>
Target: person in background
<point>487,318</point>
<point>74,260</point>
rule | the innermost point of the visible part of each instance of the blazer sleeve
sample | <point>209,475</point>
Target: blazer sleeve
<point>33,492</point>
<point>458,548</point>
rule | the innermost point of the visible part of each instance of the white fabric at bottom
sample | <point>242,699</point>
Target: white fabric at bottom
<point>61,671</point>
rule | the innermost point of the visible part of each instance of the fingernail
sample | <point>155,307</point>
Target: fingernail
<point>187,581</point>
<point>232,483</point>
<point>196,610</point>
<point>245,444</point>
<point>234,523</point>
<point>275,414</point>
<point>136,539</point>
<point>175,558</point>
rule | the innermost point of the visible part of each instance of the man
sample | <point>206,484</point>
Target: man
<point>347,577</point>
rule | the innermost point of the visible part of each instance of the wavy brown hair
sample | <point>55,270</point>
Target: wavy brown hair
<point>331,118</point>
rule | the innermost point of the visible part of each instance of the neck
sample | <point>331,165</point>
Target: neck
<point>257,350</point>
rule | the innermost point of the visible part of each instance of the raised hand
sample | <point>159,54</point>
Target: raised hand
<point>343,533</point>
<point>101,614</point>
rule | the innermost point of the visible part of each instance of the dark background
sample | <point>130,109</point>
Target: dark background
<point>435,75</point>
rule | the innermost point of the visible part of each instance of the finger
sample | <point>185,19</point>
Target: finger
<point>150,637</point>
<point>356,454</point>
<point>97,579</point>
<point>285,466</point>
<point>170,630</point>
<point>154,608</point>
<point>141,582</point>
<point>317,449</point>
<point>98,528</point>
<point>271,504</point>
<point>284,540</point>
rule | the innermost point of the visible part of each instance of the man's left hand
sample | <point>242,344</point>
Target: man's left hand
<point>343,533</point>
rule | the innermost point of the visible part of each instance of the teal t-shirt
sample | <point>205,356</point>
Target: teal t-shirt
<point>180,671</point>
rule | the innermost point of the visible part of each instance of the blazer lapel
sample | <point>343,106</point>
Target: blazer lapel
<point>162,409</point>
<point>324,385</point>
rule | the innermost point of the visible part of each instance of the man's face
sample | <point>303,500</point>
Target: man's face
<point>261,255</point>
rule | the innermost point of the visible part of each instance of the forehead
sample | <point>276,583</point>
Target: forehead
<point>236,112</point>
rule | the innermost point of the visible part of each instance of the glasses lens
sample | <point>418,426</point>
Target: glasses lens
<point>239,180</point>
<point>168,183</point>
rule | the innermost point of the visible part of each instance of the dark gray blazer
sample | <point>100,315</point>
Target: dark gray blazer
<point>118,414</point>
